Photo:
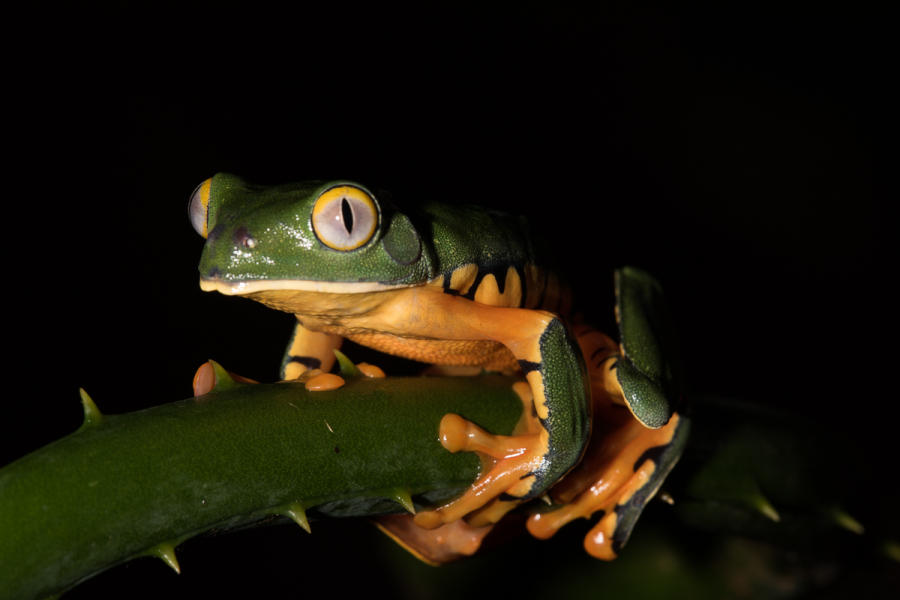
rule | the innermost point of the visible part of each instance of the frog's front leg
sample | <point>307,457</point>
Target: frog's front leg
<point>308,350</point>
<point>527,463</point>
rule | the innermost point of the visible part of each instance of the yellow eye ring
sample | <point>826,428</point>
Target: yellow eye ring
<point>198,208</point>
<point>345,217</point>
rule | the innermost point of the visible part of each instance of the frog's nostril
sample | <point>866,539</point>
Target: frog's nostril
<point>213,273</point>
<point>243,238</point>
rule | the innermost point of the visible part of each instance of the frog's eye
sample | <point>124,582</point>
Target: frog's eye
<point>198,208</point>
<point>345,217</point>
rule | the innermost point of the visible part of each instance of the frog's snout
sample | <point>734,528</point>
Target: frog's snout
<point>223,242</point>
<point>213,273</point>
<point>227,250</point>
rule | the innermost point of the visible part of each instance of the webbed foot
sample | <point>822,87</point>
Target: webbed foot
<point>510,463</point>
<point>437,546</point>
<point>616,479</point>
<point>631,451</point>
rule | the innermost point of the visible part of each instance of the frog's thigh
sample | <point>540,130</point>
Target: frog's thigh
<point>555,373</point>
<point>308,350</point>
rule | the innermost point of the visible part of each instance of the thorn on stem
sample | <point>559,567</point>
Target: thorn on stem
<point>92,414</point>
<point>843,519</point>
<point>762,504</point>
<point>166,553</point>
<point>403,497</point>
<point>297,514</point>
<point>345,365</point>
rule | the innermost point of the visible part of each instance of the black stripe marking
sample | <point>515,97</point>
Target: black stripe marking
<point>470,294</point>
<point>500,278</point>
<point>311,362</point>
<point>523,285</point>
<point>528,366</point>
<point>447,288</point>
<point>653,453</point>
<point>499,272</point>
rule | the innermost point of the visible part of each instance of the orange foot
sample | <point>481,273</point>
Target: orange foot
<point>434,546</point>
<point>621,480</point>
<point>510,463</point>
<point>623,467</point>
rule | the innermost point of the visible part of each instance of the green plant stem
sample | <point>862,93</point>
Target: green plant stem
<point>138,484</point>
<point>129,485</point>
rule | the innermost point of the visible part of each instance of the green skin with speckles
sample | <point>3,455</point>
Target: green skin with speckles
<point>647,375</point>
<point>409,248</point>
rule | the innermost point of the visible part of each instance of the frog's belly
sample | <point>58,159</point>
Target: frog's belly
<point>488,354</point>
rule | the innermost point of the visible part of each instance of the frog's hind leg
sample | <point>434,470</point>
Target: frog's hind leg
<point>308,350</point>
<point>525,464</point>
<point>624,466</point>
<point>618,479</point>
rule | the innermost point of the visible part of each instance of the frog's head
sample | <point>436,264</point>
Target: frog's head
<point>309,237</point>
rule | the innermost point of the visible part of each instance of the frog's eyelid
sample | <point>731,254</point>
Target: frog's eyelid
<point>198,208</point>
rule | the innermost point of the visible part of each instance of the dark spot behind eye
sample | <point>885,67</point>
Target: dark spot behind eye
<point>215,232</point>
<point>347,214</point>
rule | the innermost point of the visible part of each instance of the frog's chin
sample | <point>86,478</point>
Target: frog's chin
<point>241,288</point>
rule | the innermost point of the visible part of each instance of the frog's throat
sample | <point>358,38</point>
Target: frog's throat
<point>242,288</point>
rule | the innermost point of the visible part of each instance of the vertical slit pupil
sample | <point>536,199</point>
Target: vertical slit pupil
<point>347,214</point>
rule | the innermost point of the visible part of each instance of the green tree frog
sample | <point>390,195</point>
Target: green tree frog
<point>446,285</point>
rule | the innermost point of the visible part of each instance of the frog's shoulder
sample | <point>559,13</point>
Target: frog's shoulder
<point>488,256</point>
<point>464,233</point>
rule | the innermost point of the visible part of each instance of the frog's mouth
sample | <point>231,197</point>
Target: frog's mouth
<point>327,301</point>
<point>255,286</point>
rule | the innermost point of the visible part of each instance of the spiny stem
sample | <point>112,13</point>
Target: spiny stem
<point>114,488</point>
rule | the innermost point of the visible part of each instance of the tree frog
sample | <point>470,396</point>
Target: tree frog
<point>438,283</point>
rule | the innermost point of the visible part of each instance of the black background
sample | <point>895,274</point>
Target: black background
<point>730,151</point>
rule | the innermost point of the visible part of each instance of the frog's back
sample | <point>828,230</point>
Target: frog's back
<point>490,257</point>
